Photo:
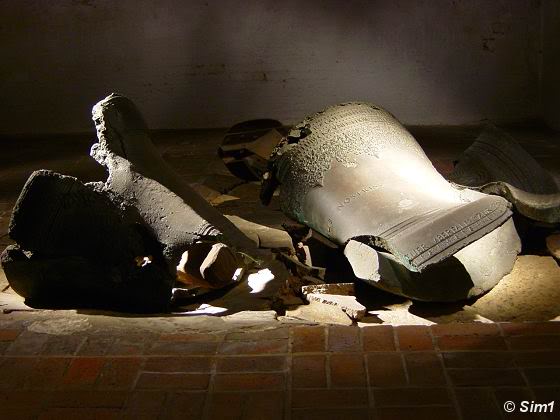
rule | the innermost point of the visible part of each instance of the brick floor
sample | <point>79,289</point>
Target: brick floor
<point>456,371</point>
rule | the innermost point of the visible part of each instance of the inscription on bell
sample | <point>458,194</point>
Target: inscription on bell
<point>355,195</point>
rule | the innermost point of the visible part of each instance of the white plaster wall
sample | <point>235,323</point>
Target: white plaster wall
<point>213,63</point>
<point>551,63</point>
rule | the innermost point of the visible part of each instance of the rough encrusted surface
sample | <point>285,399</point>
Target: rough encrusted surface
<point>353,171</point>
<point>192,154</point>
<point>140,178</point>
<point>315,142</point>
<point>113,242</point>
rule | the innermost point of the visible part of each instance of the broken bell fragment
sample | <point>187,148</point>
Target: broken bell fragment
<point>125,241</point>
<point>353,173</point>
<point>140,178</point>
<point>247,146</point>
<point>496,164</point>
<point>76,247</point>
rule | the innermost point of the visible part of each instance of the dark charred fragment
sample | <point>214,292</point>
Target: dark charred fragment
<point>116,243</point>
<point>58,215</point>
<point>82,282</point>
<point>76,247</point>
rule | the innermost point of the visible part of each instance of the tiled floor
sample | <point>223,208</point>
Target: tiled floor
<point>452,371</point>
<point>83,364</point>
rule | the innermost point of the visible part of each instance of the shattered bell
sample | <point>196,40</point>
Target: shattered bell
<point>353,173</point>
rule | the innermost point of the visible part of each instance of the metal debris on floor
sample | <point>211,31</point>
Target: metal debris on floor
<point>370,240</point>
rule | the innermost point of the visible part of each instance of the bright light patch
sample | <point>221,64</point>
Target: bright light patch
<point>258,281</point>
<point>206,309</point>
<point>143,261</point>
<point>237,274</point>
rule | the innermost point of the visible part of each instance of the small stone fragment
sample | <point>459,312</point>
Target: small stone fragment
<point>221,199</point>
<point>348,304</point>
<point>251,317</point>
<point>263,236</point>
<point>256,290</point>
<point>344,289</point>
<point>553,245</point>
<point>319,312</point>
<point>399,317</point>
<point>264,145</point>
<point>364,260</point>
<point>210,265</point>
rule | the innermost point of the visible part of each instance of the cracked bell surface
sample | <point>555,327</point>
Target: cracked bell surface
<point>353,171</point>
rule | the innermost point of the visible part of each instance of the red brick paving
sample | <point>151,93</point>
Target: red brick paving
<point>309,371</point>
<point>308,339</point>
<point>379,338</point>
<point>414,337</point>
<point>456,371</point>
<point>83,371</point>
<point>347,370</point>
<point>9,335</point>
